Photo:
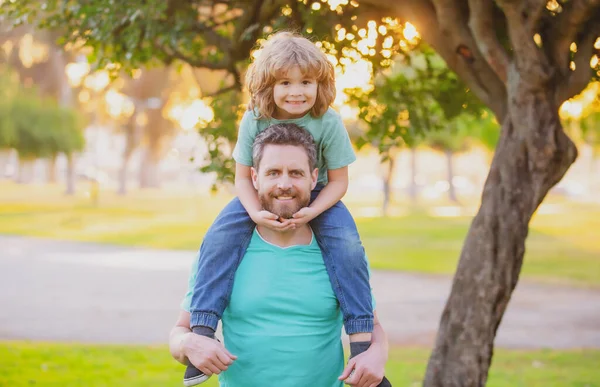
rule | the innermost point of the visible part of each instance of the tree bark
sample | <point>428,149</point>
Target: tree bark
<point>450,175</point>
<point>532,155</point>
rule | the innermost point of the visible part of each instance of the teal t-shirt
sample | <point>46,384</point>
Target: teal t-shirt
<point>283,321</point>
<point>334,149</point>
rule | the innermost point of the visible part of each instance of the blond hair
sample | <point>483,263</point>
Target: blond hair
<point>280,52</point>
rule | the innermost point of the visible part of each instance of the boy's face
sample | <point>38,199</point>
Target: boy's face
<point>294,94</point>
<point>284,179</point>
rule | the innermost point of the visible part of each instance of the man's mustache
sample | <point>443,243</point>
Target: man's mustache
<point>283,192</point>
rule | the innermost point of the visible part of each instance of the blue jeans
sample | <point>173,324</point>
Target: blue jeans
<point>226,241</point>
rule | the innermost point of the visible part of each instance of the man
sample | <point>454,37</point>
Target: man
<point>283,324</point>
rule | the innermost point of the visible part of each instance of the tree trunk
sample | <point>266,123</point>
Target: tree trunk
<point>52,169</point>
<point>70,178</point>
<point>25,171</point>
<point>4,160</point>
<point>532,155</point>
<point>450,176</point>
<point>413,190</point>
<point>123,172</point>
<point>133,132</point>
<point>387,185</point>
<point>149,171</point>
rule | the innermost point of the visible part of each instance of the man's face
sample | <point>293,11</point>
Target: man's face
<point>284,180</point>
<point>294,94</point>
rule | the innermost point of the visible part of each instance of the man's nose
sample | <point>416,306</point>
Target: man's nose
<point>284,182</point>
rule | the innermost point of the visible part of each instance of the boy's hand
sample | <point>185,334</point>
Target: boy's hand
<point>272,221</point>
<point>303,216</point>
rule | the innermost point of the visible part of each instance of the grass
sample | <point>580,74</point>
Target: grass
<point>562,246</point>
<point>46,364</point>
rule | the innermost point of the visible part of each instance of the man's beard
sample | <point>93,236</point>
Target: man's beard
<point>268,201</point>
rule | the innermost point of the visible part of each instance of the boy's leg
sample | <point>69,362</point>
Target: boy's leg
<point>346,264</point>
<point>221,251</point>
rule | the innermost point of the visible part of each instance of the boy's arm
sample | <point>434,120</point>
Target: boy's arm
<point>333,192</point>
<point>249,199</point>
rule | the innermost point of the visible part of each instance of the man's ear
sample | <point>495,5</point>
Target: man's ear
<point>315,177</point>
<point>254,174</point>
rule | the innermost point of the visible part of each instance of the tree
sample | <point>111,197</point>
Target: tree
<point>517,57</point>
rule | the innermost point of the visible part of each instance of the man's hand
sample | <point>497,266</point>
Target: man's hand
<point>304,215</point>
<point>208,355</point>
<point>366,369</point>
<point>272,221</point>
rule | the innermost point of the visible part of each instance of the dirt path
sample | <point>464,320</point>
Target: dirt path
<point>69,291</point>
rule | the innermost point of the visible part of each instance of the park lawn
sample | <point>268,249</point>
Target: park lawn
<point>48,364</point>
<point>562,247</point>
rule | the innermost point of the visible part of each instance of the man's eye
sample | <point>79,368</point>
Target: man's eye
<point>271,173</point>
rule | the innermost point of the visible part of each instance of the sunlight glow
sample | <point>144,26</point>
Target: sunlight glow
<point>97,81</point>
<point>575,107</point>
<point>76,72</point>
<point>573,47</point>
<point>192,114</point>
<point>118,105</point>
<point>32,52</point>
<point>410,32</point>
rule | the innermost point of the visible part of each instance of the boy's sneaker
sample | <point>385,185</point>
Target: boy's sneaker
<point>193,376</point>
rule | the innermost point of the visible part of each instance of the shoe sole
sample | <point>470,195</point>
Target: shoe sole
<point>195,381</point>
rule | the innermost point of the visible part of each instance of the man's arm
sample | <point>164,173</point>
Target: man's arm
<point>208,355</point>
<point>369,366</point>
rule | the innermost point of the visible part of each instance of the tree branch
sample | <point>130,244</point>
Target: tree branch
<point>172,53</point>
<point>473,70</point>
<point>566,28</point>
<point>481,23</point>
<point>531,61</point>
<point>578,80</point>
<point>455,43</point>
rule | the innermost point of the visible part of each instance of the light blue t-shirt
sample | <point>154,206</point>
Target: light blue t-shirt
<point>334,149</point>
<point>283,321</point>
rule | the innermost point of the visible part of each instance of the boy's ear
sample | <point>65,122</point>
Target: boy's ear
<point>315,178</point>
<point>254,174</point>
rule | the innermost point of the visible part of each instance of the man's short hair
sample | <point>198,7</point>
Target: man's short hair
<point>284,134</point>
